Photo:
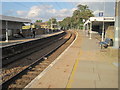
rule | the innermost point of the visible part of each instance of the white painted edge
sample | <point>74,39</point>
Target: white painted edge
<point>45,36</point>
<point>116,64</point>
<point>51,65</point>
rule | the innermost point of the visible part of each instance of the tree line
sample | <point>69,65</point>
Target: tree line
<point>81,14</point>
<point>76,20</point>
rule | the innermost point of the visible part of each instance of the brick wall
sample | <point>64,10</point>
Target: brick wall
<point>110,32</point>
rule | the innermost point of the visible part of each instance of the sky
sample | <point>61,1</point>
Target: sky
<point>46,10</point>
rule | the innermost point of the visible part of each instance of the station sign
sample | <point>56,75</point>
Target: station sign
<point>100,14</point>
<point>109,19</point>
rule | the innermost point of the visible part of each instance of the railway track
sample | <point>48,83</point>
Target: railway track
<point>15,52</point>
<point>29,72</point>
<point>17,65</point>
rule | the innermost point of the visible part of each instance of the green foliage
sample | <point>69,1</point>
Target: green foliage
<point>76,21</point>
<point>38,20</point>
<point>52,20</point>
<point>65,23</point>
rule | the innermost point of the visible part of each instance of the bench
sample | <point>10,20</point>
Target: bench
<point>106,43</point>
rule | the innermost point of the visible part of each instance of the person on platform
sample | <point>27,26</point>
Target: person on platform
<point>33,33</point>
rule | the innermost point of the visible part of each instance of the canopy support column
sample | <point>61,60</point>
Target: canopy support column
<point>6,31</point>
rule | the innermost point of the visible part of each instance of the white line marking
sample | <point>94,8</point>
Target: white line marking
<point>116,64</point>
<point>50,66</point>
<point>15,43</point>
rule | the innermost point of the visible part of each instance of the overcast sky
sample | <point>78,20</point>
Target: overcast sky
<point>46,10</point>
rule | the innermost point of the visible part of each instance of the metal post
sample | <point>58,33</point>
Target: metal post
<point>117,23</point>
<point>20,30</point>
<point>83,27</point>
<point>6,31</point>
<point>103,24</point>
<point>87,30</point>
<point>31,27</point>
<point>90,30</point>
<point>103,30</point>
<point>51,25</point>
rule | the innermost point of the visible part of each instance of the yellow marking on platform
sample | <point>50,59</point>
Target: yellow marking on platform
<point>73,71</point>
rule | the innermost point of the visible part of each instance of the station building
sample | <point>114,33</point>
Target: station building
<point>42,25</point>
<point>47,27</point>
<point>104,26</point>
<point>108,27</point>
<point>11,26</point>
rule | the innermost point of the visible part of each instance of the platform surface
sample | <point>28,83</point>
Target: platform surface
<point>82,65</point>
<point>21,40</point>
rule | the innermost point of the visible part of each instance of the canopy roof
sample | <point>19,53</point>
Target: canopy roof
<point>100,19</point>
<point>15,19</point>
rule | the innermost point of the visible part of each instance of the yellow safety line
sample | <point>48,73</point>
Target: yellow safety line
<point>73,71</point>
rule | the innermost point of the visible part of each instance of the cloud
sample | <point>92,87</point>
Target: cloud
<point>21,13</point>
<point>45,12</point>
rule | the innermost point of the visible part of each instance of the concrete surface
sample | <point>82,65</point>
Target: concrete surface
<point>83,65</point>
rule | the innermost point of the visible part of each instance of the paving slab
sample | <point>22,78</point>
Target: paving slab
<point>83,65</point>
<point>58,75</point>
<point>93,69</point>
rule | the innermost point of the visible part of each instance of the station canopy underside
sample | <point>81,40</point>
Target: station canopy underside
<point>97,23</point>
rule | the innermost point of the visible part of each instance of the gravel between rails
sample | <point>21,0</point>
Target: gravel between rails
<point>17,66</point>
<point>25,79</point>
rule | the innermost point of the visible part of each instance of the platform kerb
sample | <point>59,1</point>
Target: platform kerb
<point>58,75</point>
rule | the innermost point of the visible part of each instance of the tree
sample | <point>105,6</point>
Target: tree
<point>82,12</point>
<point>38,20</point>
<point>52,21</point>
<point>66,23</point>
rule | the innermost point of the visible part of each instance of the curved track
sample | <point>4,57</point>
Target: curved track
<point>36,62</point>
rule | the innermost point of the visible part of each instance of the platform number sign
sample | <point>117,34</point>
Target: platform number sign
<point>100,14</point>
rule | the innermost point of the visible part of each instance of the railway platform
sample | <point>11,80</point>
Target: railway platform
<point>27,39</point>
<point>82,65</point>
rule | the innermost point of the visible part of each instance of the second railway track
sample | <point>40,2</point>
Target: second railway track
<point>37,62</point>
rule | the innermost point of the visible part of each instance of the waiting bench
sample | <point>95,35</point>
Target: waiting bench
<point>106,43</point>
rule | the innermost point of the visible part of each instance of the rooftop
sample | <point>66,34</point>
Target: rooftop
<point>100,19</point>
<point>15,19</point>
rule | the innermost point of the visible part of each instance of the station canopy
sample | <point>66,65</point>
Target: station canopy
<point>98,20</point>
<point>14,19</point>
